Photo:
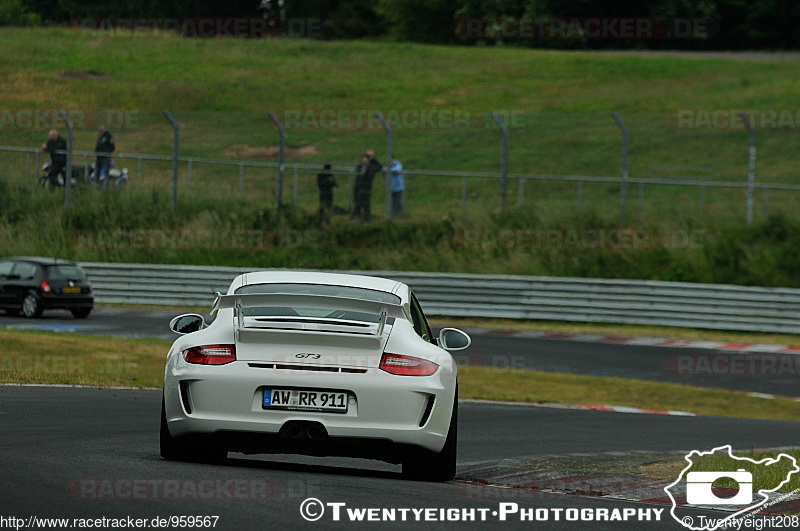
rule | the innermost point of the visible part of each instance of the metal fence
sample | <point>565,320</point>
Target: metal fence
<point>217,176</point>
<point>709,306</point>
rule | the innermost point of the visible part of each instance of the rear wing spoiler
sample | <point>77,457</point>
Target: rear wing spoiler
<point>241,301</point>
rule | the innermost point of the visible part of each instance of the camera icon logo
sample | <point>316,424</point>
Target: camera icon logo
<point>698,488</point>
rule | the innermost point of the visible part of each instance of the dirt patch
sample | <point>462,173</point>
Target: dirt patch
<point>74,74</point>
<point>268,152</point>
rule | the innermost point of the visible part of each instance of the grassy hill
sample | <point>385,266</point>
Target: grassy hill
<point>221,90</point>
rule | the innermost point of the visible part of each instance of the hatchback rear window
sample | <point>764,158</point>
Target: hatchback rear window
<point>65,272</point>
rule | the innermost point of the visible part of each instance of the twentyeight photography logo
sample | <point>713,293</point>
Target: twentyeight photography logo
<point>718,489</point>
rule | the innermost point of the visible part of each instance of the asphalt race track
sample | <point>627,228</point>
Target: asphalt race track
<point>551,355</point>
<point>93,453</point>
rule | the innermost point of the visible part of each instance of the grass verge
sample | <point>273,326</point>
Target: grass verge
<point>53,358</point>
<point>543,387</point>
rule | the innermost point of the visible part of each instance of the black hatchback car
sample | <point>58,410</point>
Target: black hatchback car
<point>31,285</point>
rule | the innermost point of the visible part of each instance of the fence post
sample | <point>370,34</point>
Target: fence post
<point>751,166</point>
<point>175,140</point>
<point>702,200</point>
<point>281,147</point>
<point>295,185</point>
<point>641,199</point>
<point>503,160</point>
<point>463,194</point>
<point>623,189</point>
<point>387,175</point>
<point>68,177</point>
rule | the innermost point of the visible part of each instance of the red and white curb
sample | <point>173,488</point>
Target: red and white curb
<point>628,409</point>
<point>587,407</point>
<point>724,346</point>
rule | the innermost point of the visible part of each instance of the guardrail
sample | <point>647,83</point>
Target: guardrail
<point>710,306</point>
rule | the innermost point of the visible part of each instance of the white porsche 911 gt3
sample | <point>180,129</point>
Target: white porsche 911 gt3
<point>317,364</point>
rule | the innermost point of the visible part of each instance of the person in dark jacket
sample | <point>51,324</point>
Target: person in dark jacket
<point>58,161</point>
<point>105,144</point>
<point>326,183</point>
<point>365,174</point>
<point>362,190</point>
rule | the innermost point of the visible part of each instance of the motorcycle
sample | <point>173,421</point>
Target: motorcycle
<point>116,178</point>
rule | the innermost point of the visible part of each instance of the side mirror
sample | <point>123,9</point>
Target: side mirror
<point>187,323</point>
<point>453,339</point>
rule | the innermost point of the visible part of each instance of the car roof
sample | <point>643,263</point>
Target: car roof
<point>319,277</point>
<point>39,260</point>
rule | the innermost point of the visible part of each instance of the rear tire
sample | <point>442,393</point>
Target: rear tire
<point>429,466</point>
<point>171,449</point>
<point>186,449</point>
<point>81,313</point>
<point>32,306</point>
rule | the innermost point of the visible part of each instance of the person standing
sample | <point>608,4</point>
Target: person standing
<point>362,191</point>
<point>398,186</point>
<point>373,167</point>
<point>326,183</point>
<point>105,144</point>
<point>58,161</point>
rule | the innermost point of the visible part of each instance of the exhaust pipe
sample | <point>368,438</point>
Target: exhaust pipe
<point>314,431</point>
<point>294,430</point>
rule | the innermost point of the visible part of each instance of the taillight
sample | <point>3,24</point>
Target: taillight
<point>210,354</point>
<point>407,365</point>
<point>46,289</point>
<point>90,286</point>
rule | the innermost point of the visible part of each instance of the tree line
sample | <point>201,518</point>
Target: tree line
<point>559,24</point>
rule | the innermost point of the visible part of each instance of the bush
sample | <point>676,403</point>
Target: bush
<point>13,13</point>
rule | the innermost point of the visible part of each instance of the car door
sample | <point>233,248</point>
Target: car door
<point>20,282</point>
<point>5,270</point>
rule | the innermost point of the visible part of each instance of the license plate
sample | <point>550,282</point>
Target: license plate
<point>72,289</point>
<point>305,400</point>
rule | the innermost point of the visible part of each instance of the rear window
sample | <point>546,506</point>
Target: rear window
<point>317,289</point>
<point>65,272</point>
<point>24,271</point>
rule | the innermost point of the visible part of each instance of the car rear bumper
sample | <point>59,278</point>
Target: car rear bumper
<point>383,410</point>
<point>67,302</point>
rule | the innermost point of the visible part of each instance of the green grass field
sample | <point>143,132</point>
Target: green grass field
<point>558,106</point>
<point>221,90</point>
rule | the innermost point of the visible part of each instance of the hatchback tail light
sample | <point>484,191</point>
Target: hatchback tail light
<point>407,365</point>
<point>210,354</point>
<point>46,289</point>
<point>90,286</point>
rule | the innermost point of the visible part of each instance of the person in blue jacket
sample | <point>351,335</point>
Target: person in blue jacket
<point>398,186</point>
